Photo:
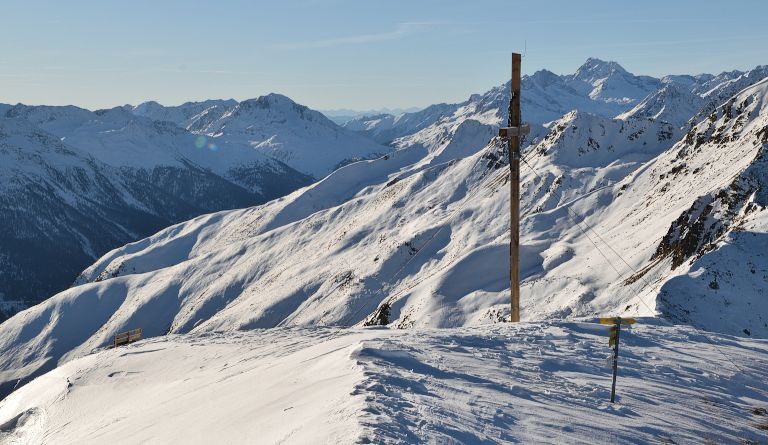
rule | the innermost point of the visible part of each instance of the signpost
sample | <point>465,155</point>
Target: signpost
<point>613,341</point>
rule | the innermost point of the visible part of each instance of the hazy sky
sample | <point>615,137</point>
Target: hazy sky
<point>350,54</point>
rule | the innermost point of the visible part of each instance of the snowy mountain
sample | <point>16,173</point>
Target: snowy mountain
<point>530,383</point>
<point>620,216</point>
<point>672,103</point>
<point>184,115</point>
<point>75,183</point>
<point>720,88</point>
<point>609,83</point>
<point>597,87</point>
<point>685,100</point>
<point>343,115</point>
<point>274,126</point>
<point>68,198</point>
<point>641,212</point>
<point>385,128</point>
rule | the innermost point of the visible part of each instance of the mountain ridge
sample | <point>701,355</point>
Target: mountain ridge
<point>144,172</point>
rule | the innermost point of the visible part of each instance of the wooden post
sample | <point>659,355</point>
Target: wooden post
<point>615,359</point>
<point>613,341</point>
<point>514,184</point>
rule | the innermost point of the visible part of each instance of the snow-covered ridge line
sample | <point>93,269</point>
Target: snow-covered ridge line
<point>273,125</point>
<point>528,383</point>
<point>597,87</point>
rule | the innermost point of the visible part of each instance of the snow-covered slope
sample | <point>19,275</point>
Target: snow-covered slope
<point>685,100</point>
<point>529,383</point>
<point>419,238</point>
<point>601,88</point>
<point>623,216</point>
<point>385,128</point>
<point>720,88</point>
<point>609,83</point>
<point>147,167</point>
<point>271,125</point>
<point>672,103</point>
<point>75,184</point>
<point>189,115</point>
<point>675,220</point>
<point>719,241</point>
<point>597,87</point>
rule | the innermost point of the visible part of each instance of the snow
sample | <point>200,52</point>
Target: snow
<point>219,135</point>
<point>597,87</point>
<point>186,115</point>
<point>424,232</point>
<point>273,126</point>
<point>644,214</point>
<point>524,383</point>
<point>94,180</point>
<point>671,103</point>
<point>118,138</point>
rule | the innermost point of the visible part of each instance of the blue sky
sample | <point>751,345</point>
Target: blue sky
<point>358,54</point>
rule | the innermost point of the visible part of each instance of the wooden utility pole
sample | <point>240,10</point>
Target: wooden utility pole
<point>513,132</point>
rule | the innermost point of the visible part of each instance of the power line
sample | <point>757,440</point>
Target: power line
<point>450,217</point>
<point>635,271</point>
<point>293,316</point>
<point>490,148</point>
<point>530,153</point>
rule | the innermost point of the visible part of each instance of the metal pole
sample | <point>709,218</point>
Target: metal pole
<point>514,184</point>
<point>615,359</point>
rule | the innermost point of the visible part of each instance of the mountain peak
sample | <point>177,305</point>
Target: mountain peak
<point>145,108</point>
<point>271,98</point>
<point>273,101</point>
<point>545,78</point>
<point>595,68</point>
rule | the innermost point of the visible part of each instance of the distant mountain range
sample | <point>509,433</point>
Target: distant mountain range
<point>75,183</point>
<point>343,115</point>
<point>641,196</point>
<point>601,88</point>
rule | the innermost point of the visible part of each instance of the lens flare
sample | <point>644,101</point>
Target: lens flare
<point>213,147</point>
<point>200,141</point>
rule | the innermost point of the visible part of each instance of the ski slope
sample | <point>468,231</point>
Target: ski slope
<point>524,383</point>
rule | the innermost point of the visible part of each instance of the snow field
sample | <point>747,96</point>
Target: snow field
<point>544,382</point>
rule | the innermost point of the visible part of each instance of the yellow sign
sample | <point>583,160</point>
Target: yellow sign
<point>612,335</point>
<point>615,320</point>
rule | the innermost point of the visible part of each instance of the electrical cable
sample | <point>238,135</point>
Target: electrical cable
<point>635,271</point>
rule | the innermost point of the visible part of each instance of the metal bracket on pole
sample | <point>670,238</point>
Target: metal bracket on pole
<point>508,132</point>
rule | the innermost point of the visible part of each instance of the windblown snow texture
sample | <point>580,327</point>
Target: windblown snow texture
<point>529,383</point>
